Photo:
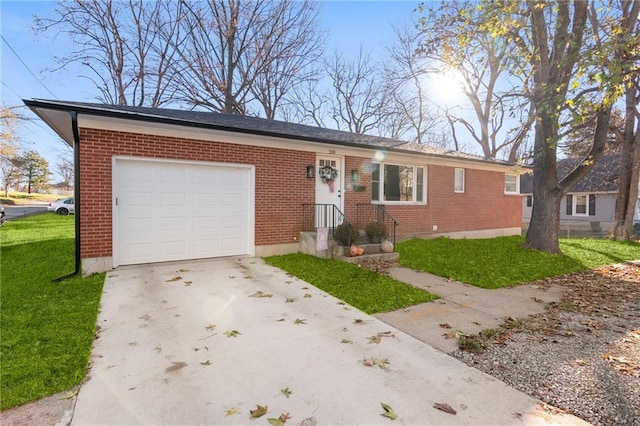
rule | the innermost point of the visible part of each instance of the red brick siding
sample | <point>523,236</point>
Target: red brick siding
<point>281,189</point>
<point>280,184</point>
<point>483,205</point>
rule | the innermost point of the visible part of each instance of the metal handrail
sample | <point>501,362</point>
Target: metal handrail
<point>376,213</point>
<point>316,216</point>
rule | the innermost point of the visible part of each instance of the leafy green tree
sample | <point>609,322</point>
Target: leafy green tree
<point>35,170</point>
<point>572,57</point>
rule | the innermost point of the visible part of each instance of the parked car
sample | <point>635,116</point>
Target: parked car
<point>1,214</point>
<point>63,206</point>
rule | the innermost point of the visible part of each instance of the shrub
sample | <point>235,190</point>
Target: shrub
<point>376,231</point>
<point>345,234</point>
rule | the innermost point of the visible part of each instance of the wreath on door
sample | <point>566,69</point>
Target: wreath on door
<point>328,175</point>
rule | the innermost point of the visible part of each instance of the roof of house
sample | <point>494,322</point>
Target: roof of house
<point>603,177</point>
<point>240,124</point>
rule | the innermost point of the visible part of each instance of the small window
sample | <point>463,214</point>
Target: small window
<point>580,205</point>
<point>510,184</point>
<point>420,184</point>
<point>375,182</point>
<point>458,184</point>
<point>529,200</point>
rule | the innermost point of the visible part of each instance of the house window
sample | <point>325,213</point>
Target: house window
<point>529,200</point>
<point>458,181</point>
<point>581,205</point>
<point>510,184</point>
<point>375,182</point>
<point>398,183</point>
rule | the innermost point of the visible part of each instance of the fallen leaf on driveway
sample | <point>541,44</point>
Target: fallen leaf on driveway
<point>207,362</point>
<point>299,321</point>
<point>445,325</point>
<point>445,407</point>
<point>259,411</point>
<point>259,293</point>
<point>232,333</point>
<point>289,300</point>
<point>286,392</point>
<point>346,341</point>
<point>280,421</point>
<point>183,270</point>
<point>388,411</point>
<point>380,362</point>
<point>307,295</point>
<point>374,339</point>
<point>233,410</point>
<point>581,362</point>
<point>175,367</point>
<point>210,327</point>
<point>176,278</point>
<point>188,283</point>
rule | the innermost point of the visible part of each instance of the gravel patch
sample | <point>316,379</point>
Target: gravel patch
<point>583,354</point>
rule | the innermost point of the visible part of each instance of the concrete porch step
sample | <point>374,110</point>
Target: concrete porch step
<point>373,256</point>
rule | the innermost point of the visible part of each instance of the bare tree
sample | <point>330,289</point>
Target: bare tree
<point>126,48</point>
<point>502,116</point>
<point>65,170</point>
<point>10,148</point>
<point>407,74</point>
<point>240,55</point>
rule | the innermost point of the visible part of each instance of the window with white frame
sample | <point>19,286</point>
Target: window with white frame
<point>458,180</point>
<point>580,205</point>
<point>510,184</point>
<point>397,183</point>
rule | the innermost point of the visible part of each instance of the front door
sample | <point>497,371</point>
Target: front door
<point>329,189</point>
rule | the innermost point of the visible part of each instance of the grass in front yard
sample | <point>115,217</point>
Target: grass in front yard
<point>47,327</point>
<point>359,287</point>
<point>501,262</point>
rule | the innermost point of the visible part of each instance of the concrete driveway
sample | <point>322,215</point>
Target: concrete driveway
<point>204,342</point>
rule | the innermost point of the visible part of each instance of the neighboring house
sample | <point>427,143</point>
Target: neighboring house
<point>161,185</point>
<point>590,204</point>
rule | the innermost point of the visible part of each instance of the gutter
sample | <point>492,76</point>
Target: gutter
<point>76,195</point>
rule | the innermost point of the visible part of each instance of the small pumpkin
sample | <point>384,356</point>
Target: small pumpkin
<point>360,251</point>
<point>353,250</point>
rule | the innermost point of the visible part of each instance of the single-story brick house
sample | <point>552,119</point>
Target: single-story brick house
<point>160,185</point>
<point>590,205</point>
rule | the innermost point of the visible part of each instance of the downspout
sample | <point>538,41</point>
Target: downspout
<point>76,194</point>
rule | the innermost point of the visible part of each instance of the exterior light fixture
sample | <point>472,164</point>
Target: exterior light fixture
<point>310,172</point>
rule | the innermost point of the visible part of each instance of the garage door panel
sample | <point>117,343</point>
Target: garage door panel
<point>187,211</point>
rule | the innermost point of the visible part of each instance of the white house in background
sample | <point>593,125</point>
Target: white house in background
<point>590,204</point>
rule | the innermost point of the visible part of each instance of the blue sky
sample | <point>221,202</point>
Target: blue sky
<point>349,24</point>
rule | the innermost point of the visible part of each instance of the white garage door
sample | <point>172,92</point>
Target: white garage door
<point>167,211</point>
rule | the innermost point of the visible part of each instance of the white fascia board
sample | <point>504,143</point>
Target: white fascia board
<point>213,135</point>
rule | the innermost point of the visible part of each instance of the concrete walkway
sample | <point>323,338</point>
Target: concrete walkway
<point>463,307</point>
<point>204,342</point>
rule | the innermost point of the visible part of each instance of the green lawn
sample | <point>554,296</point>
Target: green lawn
<point>501,262</point>
<point>47,328</point>
<point>359,287</point>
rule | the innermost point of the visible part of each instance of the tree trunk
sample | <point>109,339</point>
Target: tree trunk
<point>544,227</point>
<point>627,196</point>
